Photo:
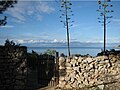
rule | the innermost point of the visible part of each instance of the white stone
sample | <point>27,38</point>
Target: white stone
<point>72,79</point>
<point>72,75</point>
<point>102,62</point>
<point>108,65</point>
<point>91,65</point>
<point>69,70</point>
<point>77,76</point>
<point>61,78</point>
<point>106,61</point>
<point>85,75</point>
<point>91,82</point>
<point>76,58</point>
<point>68,86</point>
<point>100,67</point>
<point>62,84</point>
<point>75,84</point>
<point>80,59</point>
<point>101,87</point>
<point>67,78</point>
<point>81,85</point>
<point>61,67</point>
<point>89,60</point>
<point>79,80</point>
<point>76,68</point>
<point>61,59</point>
<point>73,62</point>
<point>68,60</point>
<point>67,64</point>
<point>85,61</point>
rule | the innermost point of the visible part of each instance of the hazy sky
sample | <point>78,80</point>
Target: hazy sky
<point>38,21</point>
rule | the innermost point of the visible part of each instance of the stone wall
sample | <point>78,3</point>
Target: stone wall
<point>88,72</point>
<point>13,70</point>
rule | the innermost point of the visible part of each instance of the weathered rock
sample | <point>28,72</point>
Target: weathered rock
<point>61,78</point>
<point>67,64</point>
<point>86,82</point>
<point>61,67</point>
<point>67,78</point>
<point>101,87</point>
<point>75,57</point>
<point>62,84</point>
<point>68,60</point>
<point>73,62</point>
<point>61,61</point>
<point>79,80</point>
<point>62,72</point>
<point>69,70</point>
<point>91,82</point>
<point>80,59</point>
<point>89,60</point>
<point>81,85</point>
<point>75,84</point>
<point>88,71</point>
<point>84,61</point>
<point>72,79</point>
<point>68,86</point>
<point>76,69</point>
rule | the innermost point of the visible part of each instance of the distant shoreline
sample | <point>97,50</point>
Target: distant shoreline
<point>93,51</point>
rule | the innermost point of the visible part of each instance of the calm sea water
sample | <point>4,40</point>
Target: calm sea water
<point>74,50</point>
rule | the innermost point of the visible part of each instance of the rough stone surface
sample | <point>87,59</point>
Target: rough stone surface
<point>81,72</point>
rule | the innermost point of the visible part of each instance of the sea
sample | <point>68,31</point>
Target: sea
<point>76,48</point>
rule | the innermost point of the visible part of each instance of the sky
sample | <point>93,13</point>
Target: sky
<point>38,21</point>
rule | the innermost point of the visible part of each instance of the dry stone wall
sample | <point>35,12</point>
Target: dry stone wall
<point>13,68</point>
<point>80,72</point>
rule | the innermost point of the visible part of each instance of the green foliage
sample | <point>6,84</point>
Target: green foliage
<point>9,43</point>
<point>50,52</point>
<point>4,5</point>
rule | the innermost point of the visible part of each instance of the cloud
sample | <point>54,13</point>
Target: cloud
<point>25,10</point>
<point>21,41</point>
<point>7,26</point>
<point>109,40</point>
<point>43,7</point>
<point>113,40</point>
<point>116,21</point>
<point>39,17</point>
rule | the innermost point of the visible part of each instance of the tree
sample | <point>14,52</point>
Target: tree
<point>66,15</point>
<point>4,5</point>
<point>50,52</point>
<point>103,10</point>
<point>9,43</point>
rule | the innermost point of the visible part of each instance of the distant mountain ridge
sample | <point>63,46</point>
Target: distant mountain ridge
<point>72,44</point>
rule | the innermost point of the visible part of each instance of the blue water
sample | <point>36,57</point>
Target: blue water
<point>74,50</point>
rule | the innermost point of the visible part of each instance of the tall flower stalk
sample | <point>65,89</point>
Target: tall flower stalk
<point>103,10</point>
<point>66,19</point>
